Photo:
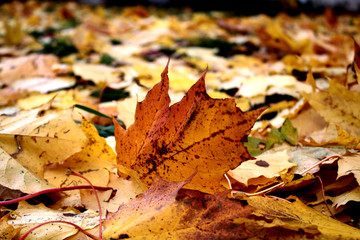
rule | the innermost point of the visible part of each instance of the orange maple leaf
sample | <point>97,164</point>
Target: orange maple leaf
<point>198,133</point>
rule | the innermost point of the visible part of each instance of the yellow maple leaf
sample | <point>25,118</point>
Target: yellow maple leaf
<point>338,105</point>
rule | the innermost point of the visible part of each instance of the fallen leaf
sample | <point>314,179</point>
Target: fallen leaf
<point>268,85</point>
<point>137,217</point>
<point>156,214</point>
<point>126,190</point>
<point>297,215</point>
<point>13,31</point>
<point>40,136</point>
<point>286,133</point>
<point>355,66</point>
<point>332,135</point>
<point>349,164</point>
<point>307,157</point>
<point>267,165</point>
<point>7,232</point>
<point>37,65</point>
<point>338,105</point>
<point>32,215</point>
<point>344,198</point>
<point>43,84</point>
<point>162,139</point>
<point>97,73</point>
<point>16,177</point>
<point>95,162</point>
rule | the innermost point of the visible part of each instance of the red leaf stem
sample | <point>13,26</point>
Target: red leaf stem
<point>59,221</point>
<point>51,190</point>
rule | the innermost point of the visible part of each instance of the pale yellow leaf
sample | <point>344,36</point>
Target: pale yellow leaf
<point>97,73</point>
<point>348,165</point>
<point>95,162</point>
<point>267,165</point>
<point>40,136</point>
<point>39,65</point>
<point>32,215</point>
<point>16,177</point>
<point>344,198</point>
<point>338,105</point>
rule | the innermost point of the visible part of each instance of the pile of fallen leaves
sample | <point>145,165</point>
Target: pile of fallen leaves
<point>149,123</point>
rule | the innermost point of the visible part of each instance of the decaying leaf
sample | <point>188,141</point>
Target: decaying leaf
<point>158,215</point>
<point>338,105</point>
<point>296,216</point>
<point>162,139</point>
<point>267,165</point>
<point>32,215</point>
<point>7,232</point>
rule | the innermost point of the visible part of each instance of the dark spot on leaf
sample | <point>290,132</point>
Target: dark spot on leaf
<point>41,113</point>
<point>261,146</point>
<point>262,163</point>
<point>123,236</point>
<point>69,214</point>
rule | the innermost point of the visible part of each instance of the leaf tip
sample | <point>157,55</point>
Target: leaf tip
<point>165,72</point>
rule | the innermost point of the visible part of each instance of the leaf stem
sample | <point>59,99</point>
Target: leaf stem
<point>60,221</point>
<point>323,194</point>
<point>97,199</point>
<point>51,190</point>
<point>319,163</point>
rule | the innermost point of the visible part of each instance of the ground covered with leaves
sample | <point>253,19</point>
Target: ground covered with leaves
<point>147,123</point>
